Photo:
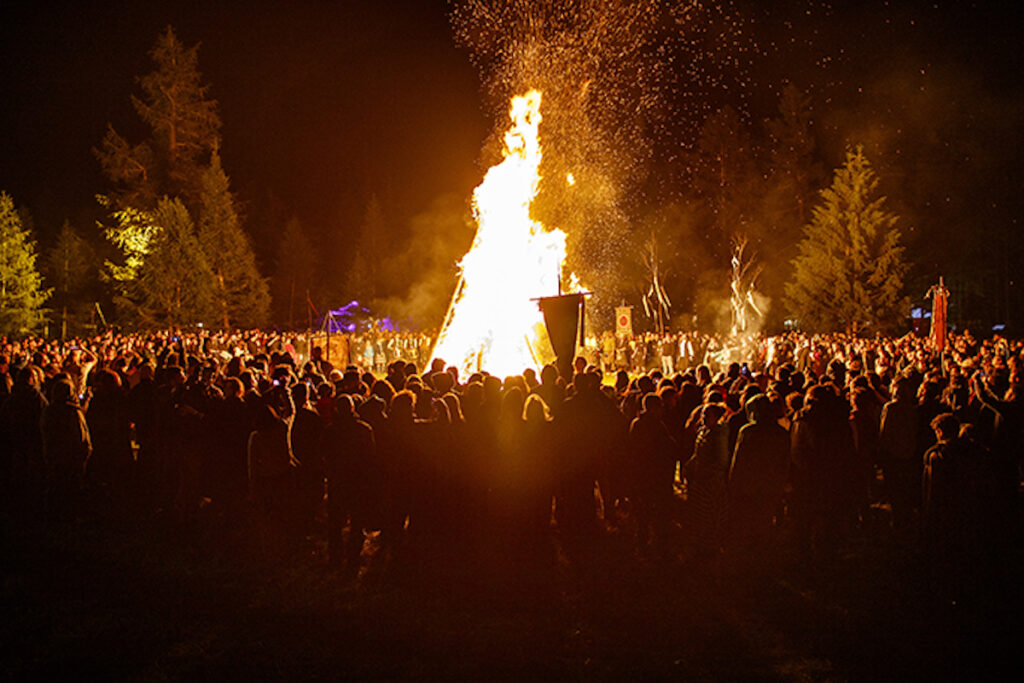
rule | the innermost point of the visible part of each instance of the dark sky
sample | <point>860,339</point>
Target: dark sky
<point>324,103</point>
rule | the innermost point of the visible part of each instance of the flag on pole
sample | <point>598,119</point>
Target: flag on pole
<point>940,296</point>
<point>562,316</point>
<point>624,321</point>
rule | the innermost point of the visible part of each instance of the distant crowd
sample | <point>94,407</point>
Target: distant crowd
<point>694,445</point>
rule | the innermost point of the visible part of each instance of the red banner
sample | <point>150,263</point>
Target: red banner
<point>940,296</point>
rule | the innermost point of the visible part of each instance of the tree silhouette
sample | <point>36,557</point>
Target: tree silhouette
<point>184,132</point>
<point>242,297</point>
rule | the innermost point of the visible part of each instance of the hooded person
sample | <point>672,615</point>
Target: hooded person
<point>758,473</point>
<point>824,466</point>
<point>652,451</point>
<point>897,451</point>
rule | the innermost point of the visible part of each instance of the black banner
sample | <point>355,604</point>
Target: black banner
<point>562,316</point>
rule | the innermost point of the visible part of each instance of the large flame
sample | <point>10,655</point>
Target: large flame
<point>493,324</point>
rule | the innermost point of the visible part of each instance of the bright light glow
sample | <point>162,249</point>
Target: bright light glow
<point>492,323</point>
<point>133,234</point>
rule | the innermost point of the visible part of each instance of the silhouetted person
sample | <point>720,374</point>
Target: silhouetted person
<point>653,459</point>
<point>144,412</point>
<point>538,450</point>
<point>953,492</point>
<point>192,436</point>
<point>112,464</point>
<point>739,417</point>
<point>589,427</point>
<point>1000,427</point>
<point>898,450</point>
<point>307,427</point>
<point>550,390</point>
<point>402,466</point>
<point>271,467</point>
<point>229,462</point>
<point>930,406</point>
<point>757,475</point>
<point>865,421</point>
<point>823,464</point>
<point>707,473</point>
<point>507,482</point>
<point>350,466</point>
<point>21,445</point>
<point>66,449</point>
<point>473,468</point>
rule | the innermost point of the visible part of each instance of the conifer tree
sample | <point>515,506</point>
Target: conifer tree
<point>21,286</point>
<point>724,177</point>
<point>184,132</point>
<point>70,268</point>
<point>293,279</point>
<point>242,297</point>
<point>793,168</point>
<point>363,280</point>
<point>175,285</point>
<point>848,274</point>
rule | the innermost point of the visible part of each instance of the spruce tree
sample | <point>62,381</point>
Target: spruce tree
<point>242,297</point>
<point>793,168</point>
<point>184,132</point>
<point>848,274</point>
<point>175,284</point>
<point>363,280</point>
<point>293,278</point>
<point>21,286</point>
<point>70,267</point>
<point>725,181</point>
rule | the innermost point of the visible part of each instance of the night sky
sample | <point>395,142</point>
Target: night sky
<point>322,103</point>
<point>325,103</point>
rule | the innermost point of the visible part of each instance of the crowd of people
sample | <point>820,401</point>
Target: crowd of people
<point>375,349</point>
<point>697,456</point>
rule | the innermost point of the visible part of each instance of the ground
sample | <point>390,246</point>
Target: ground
<point>152,600</point>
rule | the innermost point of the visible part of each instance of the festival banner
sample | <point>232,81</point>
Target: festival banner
<point>624,321</point>
<point>562,318</point>
<point>940,296</point>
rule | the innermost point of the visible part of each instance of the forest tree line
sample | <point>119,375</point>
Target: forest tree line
<point>176,248</point>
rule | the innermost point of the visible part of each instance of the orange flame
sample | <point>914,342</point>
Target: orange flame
<point>492,323</point>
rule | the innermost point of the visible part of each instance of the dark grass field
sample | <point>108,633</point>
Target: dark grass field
<point>149,600</point>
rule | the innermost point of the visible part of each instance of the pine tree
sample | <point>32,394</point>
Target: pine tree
<point>363,280</point>
<point>850,266</point>
<point>792,148</point>
<point>724,177</point>
<point>293,279</point>
<point>70,267</point>
<point>132,234</point>
<point>242,297</point>
<point>175,284</point>
<point>21,286</point>
<point>184,131</point>
<point>792,177</point>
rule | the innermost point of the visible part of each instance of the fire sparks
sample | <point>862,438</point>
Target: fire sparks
<point>492,323</point>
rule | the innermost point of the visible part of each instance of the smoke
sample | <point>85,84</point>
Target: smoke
<point>438,237</point>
